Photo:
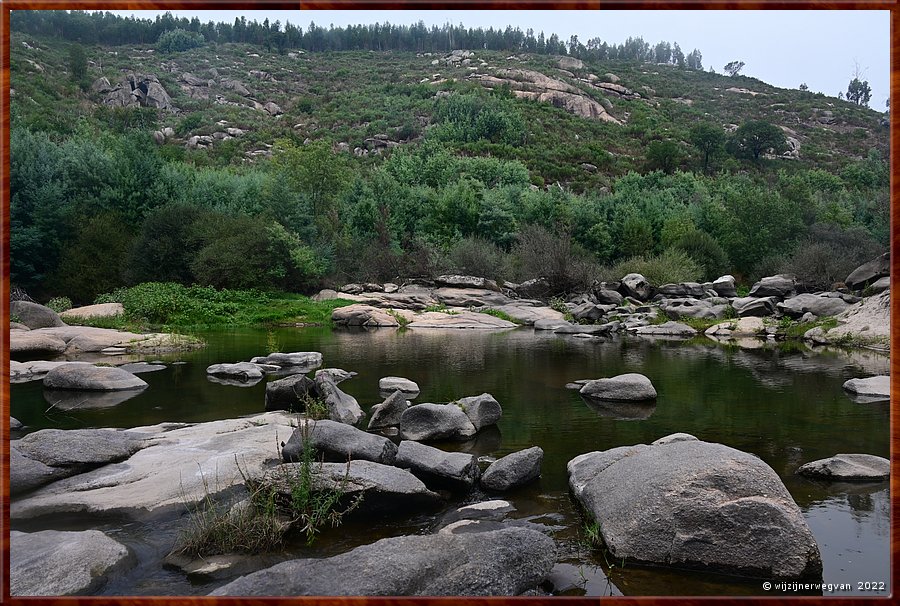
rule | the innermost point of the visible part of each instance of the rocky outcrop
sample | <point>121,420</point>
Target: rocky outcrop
<point>86,339</point>
<point>54,563</point>
<point>101,310</point>
<point>87,377</point>
<point>687,503</point>
<point>502,562</point>
<point>425,422</point>
<point>34,315</point>
<point>848,467</point>
<point>338,442</point>
<point>819,304</point>
<point>630,387</point>
<point>513,470</point>
<point>437,468</point>
<point>460,320</point>
<point>869,272</point>
<point>139,89</point>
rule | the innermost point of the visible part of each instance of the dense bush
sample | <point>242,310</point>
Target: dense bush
<point>828,255</point>
<point>541,253</point>
<point>670,267</point>
<point>471,117</point>
<point>478,257</point>
<point>705,251</point>
<point>177,40</point>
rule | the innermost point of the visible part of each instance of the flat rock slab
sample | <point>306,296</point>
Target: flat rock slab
<point>848,467</point>
<point>32,342</point>
<point>86,377</point>
<point>529,315</point>
<point>686,503</point>
<point>137,368</point>
<point>630,387</point>
<point>363,315</point>
<point>388,385</point>
<point>54,563</point>
<point>878,388</point>
<point>21,372</point>
<point>667,329</point>
<point>82,339</point>
<point>307,359</point>
<point>101,310</point>
<point>502,562</point>
<point>170,473</point>
<point>80,448</point>
<point>460,320</point>
<point>241,371</point>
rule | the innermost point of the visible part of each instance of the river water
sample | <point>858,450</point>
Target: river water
<point>783,404</point>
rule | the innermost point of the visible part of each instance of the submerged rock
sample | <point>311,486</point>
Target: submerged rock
<point>502,562</point>
<point>688,503</point>
<point>848,467</point>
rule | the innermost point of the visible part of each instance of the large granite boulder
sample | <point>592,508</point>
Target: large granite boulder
<point>32,343</point>
<point>686,503</point>
<point>341,406</point>
<point>425,422</point>
<point>848,467</point>
<point>80,449</point>
<point>482,410</point>
<point>725,286</point>
<point>338,442</point>
<point>533,289</point>
<point>701,309</point>
<point>437,468</point>
<point>101,310</point>
<point>363,315</point>
<point>869,272</point>
<point>501,562</point>
<point>456,281</point>
<point>780,286</point>
<point>388,413</point>
<point>820,305</point>
<point>92,378</point>
<point>470,297</point>
<point>590,312</point>
<point>513,470</point>
<point>875,388</point>
<point>680,290</point>
<point>34,315</point>
<point>388,385</point>
<point>528,315</point>
<point>606,296</point>
<point>291,393</point>
<point>757,307</point>
<point>637,286</point>
<point>629,387</point>
<point>242,372</point>
<point>53,563</point>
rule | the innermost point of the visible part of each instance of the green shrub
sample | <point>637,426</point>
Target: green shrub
<point>829,254</point>
<point>60,304</point>
<point>176,40</point>
<point>705,251</point>
<point>672,266</point>
<point>540,253</point>
<point>477,257</point>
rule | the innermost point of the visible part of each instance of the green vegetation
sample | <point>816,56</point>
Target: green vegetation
<point>60,304</point>
<point>177,40</point>
<point>500,314</point>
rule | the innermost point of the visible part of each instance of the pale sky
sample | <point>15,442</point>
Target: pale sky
<point>784,48</point>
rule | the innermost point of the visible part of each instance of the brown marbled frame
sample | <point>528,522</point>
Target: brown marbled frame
<point>7,5</point>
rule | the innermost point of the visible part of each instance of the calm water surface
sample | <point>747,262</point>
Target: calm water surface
<point>787,407</point>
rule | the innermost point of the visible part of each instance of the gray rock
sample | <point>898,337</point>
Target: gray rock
<point>51,563</point>
<point>388,385</point>
<point>80,449</point>
<point>137,368</point>
<point>242,372</point>
<point>637,286</point>
<point>34,315</point>
<point>425,422</point>
<point>550,324</point>
<point>388,413</point>
<point>529,315</point>
<point>437,468</point>
<point>583,329</point>
<point>781,286</point>
<point>273,109</point>
<point>502,562</point>
<point>725,286</point>
<point>671,329</point>
<point>747,307</point>
<point>690,307</point>
<point>866,273</point>
<point>15,424</point>
<point>27,474</point>
<point>91,378</point>
<point>591,312</point>
<point>338,375</point>
<point>482,410</point>
<point>514,470</point>
<point>30,343</point>
<point>606,296</point>
<point>455,281</point>
<point>470,297</point>
<point>872,388</point>
<point>291,393</point>
<point>532,289</point>
<point>363,315</point>
<point>817,304</point>
<point>342,407</point>
<point>630,387</point>
<point>384,489</point>
<point>460,321</point>
<point>339,442</point>
<point>880,285</point>
<point>694,504</point>
<point>682,289</point>
<point>306,359</point>
<point>848,467</point>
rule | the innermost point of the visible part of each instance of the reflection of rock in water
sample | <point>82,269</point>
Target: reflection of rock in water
<point>861,502</point>
<point>233,382</point>
<point>866,398</point>
<point>72,400</point>
<point>486,441</point>
<point>621,411</point>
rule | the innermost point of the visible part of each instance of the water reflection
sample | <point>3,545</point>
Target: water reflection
<point>74,400</point>
<point>624,411</point>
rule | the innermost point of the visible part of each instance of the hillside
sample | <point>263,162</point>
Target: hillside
<point>422,151</point>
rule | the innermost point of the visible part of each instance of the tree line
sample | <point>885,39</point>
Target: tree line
<point>107,28</point>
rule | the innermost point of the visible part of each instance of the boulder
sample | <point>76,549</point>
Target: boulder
<point>388,385</point>
<point>606,296</point>
<point>550,324</point>
<point>308,360</point>
<point>529,315</point>
<point>80,449</point>
<point>725,286</point>
<point>363,315</point>
<point>502,562</point>
<point>452,470</point>
<point>702,309</point>
<point>880,285</point>
<point>338,442</point>
<point>273,109</point>
<point>425,422</point>
<point>455,281</point>
<point>630,387</point>
<point>290,393</point>
<point>101,310</point>
<point>342,407</point>
<point>848,467</point>
<point>338,375</point>
<point>668,329</point>
<point>155,96</point>
<point>692,504</point>
<point>682,289</point>
<point>92,378</point>
<point>513,470</point>
<point>51,563</point>
<point>754,307</point>
<point>15,424</point>
<point>193,80</point>
<point>873,388</point>
<point>31,343</point>
<point>533,289</point>
<point>34,315</point>
<point>869,272</point>
<point>570,63</point>
<point>482,410</point>
<point>637,286</point>
<point>461,320</point>
<point>470,297</point>
<point>781,286</point>
<point>243,372</point>
<point>819,304</point>
<point>388,413</point>
<point>384,489</point>
<point>27,474</point>
<point>744,327</point>
<point>590,312</point>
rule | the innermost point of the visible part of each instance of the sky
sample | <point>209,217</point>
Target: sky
<point>821,48</point>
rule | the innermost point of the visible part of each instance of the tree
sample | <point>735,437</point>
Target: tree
<point>695,60</point>
<point>708,138</point>
<point>77,63</point>
<point>755,137</point>
<point>803,87</point>
<point>663,155</point>
<point>734,68</point>
<point>859,92</point>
